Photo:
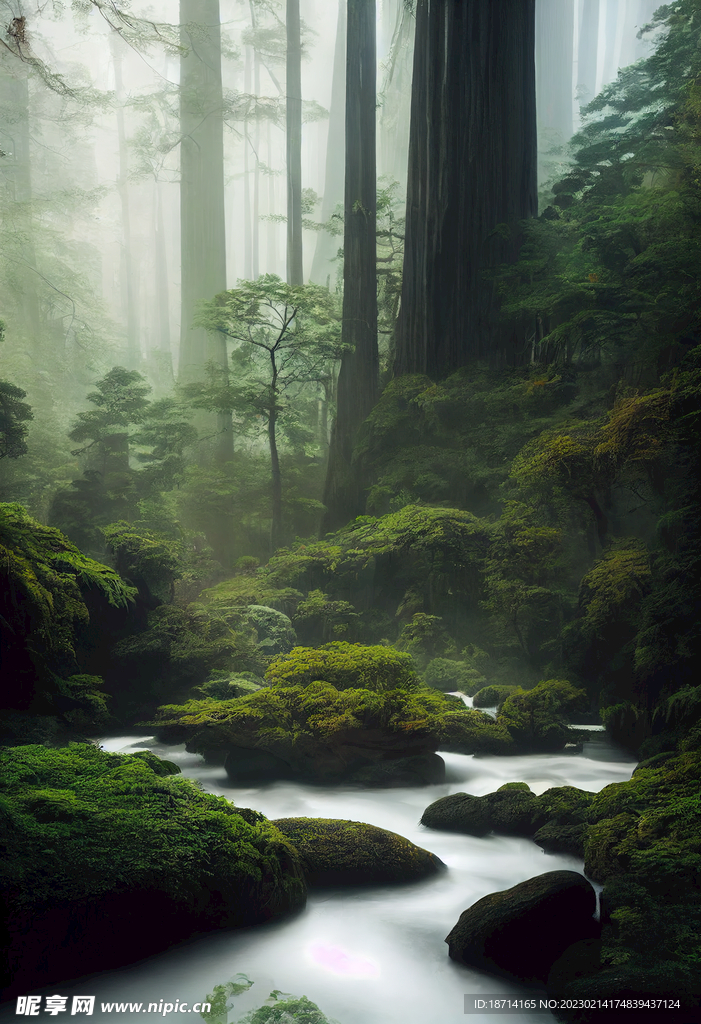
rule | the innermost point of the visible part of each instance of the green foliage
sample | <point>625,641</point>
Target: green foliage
<point>149,560</point>
<point>447,675</point>
<point>537,718</point>
<point>425,639</point>
<point>344,666</point>
<point>319,619</point>
<point>46,586</point>
<point>219,1005</point>
<point>223,685</point>
<point>181,647</point>
<point>492,696</point>
<point>14,414</point>
<point>286,1010</point>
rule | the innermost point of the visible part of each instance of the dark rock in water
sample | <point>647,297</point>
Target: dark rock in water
<point>459,812</point>
<point>510,810</point>
<point>423,770</point>
<point>562,839</point>
<point>251,765</point>
<point>353,853</point>
<point>520,933</point>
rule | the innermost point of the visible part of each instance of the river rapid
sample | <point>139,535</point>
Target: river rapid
<point>374,955</point>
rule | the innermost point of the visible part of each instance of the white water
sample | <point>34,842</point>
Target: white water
<point>365,956</point>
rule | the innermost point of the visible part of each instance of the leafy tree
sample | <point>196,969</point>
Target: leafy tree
<point>14,414</point>
<point>285,338</point>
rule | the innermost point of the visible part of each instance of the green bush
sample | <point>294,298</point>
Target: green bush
<point>444,674</point>
<point>492,696</point>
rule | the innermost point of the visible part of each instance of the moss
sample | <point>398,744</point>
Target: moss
<point>344,665</point>
<point>46,588</point>
<point>92,828</point>
<point>337,851</point>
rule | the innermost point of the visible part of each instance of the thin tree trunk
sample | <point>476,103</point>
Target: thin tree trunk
<point>272,226</point>
<point>128,269</point>
<point>295,268</point>
<point>326,243</point>
<point>358,377</point>
<point>162,287</point>
<point>255,238</point>
<point>472,180</point>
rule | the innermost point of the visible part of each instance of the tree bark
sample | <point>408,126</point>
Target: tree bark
<point>472,170</point>
<point>202,218</point>
<point>327,244</point>
<point>295,269</point>
<point>358,376</point>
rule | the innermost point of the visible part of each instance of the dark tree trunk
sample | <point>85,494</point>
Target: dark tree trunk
<point>202,231</point>
<point>588,52</point>
<point>554,57</point>
<point>327,244</point>
<point>295,270</point>
<point>357,381</point>
<point>472,168</point>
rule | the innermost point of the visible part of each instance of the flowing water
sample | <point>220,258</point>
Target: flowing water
<point>374,955</point>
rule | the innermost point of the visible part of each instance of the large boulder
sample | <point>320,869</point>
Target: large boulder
<point>109,858</point>
<point>423,770</point>
<point>520,933</point>
<point>353,853</point>
<point>511,810</point>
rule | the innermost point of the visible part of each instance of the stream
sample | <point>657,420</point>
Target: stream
<point>373,955</point>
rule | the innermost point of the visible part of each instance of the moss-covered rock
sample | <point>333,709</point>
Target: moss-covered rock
<point>96,837</point>
<point>345,666</point>
<point>520,932</point>
<point>511,810</point>
<point>567,839</point>
<point>493,696</point>
<point>353,853</point>
<point>537,719</point>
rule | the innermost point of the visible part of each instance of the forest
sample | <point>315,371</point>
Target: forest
<point>350,465</point>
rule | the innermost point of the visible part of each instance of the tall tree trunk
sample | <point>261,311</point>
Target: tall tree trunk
<point>357,381</point>
<point>472,169</point>
<point>554,42</point>
<point>16,173</point>
<point>247,239</point>
<point>327,244</point>
<point>588,52</point>
<point>271,249</point>
<point>395,114</point>
<point>202,232</point>
<point>130,287</point>
<point>295,268</point>
<point>255,239</point>
<point>162,287</point>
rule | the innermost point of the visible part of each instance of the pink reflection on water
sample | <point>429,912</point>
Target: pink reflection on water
<point>340,961</point>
